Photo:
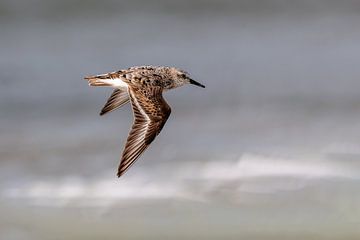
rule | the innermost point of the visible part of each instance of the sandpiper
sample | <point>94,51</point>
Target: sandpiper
<point>143,87</point>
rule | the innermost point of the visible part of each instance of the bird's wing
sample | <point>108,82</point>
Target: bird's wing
<point>150,112</point>
<point>118,98</point>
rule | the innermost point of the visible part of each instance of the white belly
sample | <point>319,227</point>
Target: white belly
<point>115,83</point>
<point>120,83</point>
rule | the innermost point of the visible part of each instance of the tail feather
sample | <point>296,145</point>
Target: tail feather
<point>100,80</point>
<point>108,79</point>
<point>97,82</point>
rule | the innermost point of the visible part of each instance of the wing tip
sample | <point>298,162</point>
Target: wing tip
<point>119,173</point>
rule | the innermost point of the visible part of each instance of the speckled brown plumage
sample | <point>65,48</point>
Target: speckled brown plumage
<point>143,86</point>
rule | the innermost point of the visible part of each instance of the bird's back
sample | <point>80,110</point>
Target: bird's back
<point>145,76</point>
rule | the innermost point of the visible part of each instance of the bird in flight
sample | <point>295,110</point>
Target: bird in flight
<point>143,87</point>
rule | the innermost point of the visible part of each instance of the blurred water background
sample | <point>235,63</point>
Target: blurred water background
<point>269,150</point>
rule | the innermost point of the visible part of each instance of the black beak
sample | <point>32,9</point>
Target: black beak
<point>196,83</point>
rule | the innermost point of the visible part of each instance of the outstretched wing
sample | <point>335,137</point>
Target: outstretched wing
<point>118,98</point>
<point>151,113</point>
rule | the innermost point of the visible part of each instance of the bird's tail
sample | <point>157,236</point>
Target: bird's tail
<point>99,80</point>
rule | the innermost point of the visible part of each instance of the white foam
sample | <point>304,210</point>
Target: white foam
<point>194,181</point>
<point>251,166</point>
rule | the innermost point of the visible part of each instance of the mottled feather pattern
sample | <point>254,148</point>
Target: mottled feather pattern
<point>151,113</point>
<point>142,77</point>
<point>143,87</point>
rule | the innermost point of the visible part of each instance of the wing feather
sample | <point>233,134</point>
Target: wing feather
<point>118,98</point>
<point>151,113</point>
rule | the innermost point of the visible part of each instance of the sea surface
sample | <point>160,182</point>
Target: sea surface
<point>268,150</point>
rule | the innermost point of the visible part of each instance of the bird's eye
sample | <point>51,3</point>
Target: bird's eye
<point>182,75</point>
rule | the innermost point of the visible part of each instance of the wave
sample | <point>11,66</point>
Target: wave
<point>194,181</point>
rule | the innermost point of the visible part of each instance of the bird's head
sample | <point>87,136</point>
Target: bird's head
<point>180,77</point>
